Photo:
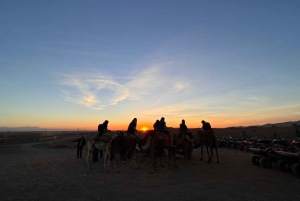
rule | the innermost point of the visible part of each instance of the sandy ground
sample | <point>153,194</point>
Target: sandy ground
<point>41,172</point>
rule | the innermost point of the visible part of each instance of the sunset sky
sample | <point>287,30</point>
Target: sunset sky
<point>73,64</point>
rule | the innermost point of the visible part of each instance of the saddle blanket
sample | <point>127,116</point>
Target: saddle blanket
<point>161,135</point>
<point>104,138</point>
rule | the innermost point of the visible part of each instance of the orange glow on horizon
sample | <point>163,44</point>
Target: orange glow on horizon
<point>144,128</point>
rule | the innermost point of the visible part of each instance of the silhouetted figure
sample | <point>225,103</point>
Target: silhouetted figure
<point>155,125</point>
<point>207,128</point>
<point>206,125</point>
<point>122,151</point>
<point>162,127</point>
<point>102,128</point>
<point>183,129</point>
<point>80,143</point>
<point>132,130</point>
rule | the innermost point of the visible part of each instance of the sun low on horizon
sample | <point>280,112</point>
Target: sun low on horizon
<point>144,128</point>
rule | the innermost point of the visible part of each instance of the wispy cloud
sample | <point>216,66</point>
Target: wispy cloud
<point>97,90</point>
<point>180,86</point>
<point>92,90</point>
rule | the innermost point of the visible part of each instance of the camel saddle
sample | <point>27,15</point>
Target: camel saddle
<point>105,137</point>
<point>161,135</point>
<point>207,133</point>
<point>129,136</point>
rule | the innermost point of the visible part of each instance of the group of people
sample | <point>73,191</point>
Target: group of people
<point>159,125</point>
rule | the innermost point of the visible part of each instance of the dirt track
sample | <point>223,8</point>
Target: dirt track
<point>43,173</point>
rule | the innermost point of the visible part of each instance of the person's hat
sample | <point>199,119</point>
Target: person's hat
<point>202,121</point>
<point>162,118</point>
<point>183,120</point>
<point>106,121</point>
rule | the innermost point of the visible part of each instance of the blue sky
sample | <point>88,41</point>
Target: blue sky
<point>73,64</point>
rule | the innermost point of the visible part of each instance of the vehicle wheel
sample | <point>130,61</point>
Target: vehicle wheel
<point>255,160</point>
<point>239,147</point>
<point>265,163</point>
<point>282,165</point>
<point>289,149</point>
<point>296,169</point>
<point>232,146</point>
<point>227,145</point>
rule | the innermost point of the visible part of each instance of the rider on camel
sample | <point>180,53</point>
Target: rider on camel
<point>207,128</point>
<point>183,128</point>
<point>163,128</point>
<point>132,130</point>
<point>102,128</point>
<point>155,125</point>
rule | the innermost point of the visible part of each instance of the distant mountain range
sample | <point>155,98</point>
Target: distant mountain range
<point>283,124</point>
<point>35,128</point>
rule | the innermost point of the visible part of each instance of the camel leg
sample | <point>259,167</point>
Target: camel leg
<point>161,165</point>
<point>170,157</point>
<point>89,152</point>
<point>209,159</point>
<point>154,159</point>
<point>112,159</point>
<point>201,159</point>
<point>106,160</point>
<point>186,156</point>
<point>151,159</point>
<point>134,159</point>
<point>173,157</point>
<point>217,154</point>
<point>191,154</point>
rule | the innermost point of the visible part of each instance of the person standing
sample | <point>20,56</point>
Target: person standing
<point>132,130</point>
<point>80,144</point>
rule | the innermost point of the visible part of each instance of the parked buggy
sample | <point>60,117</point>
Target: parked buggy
<point>287,161</point>
<point>263,157</point>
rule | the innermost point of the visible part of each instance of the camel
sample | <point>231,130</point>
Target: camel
<point>159,144</point>
<point>159,147</point>
<point>106,146</point>
<point>130,143</point>
<point>181,143</point>
<point>202,139</point>
<point>210,142</point>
